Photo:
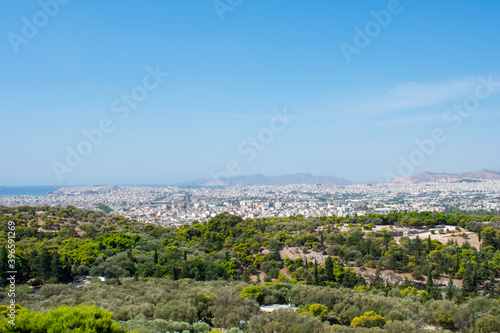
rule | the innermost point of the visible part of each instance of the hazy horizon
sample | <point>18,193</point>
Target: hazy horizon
<point>182,180</point>
<point>128,92</point>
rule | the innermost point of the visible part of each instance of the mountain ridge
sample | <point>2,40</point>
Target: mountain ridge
<point>260,179</point>
<point>426,176</point>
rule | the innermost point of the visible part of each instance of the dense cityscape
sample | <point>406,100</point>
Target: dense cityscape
<point>174,206</point>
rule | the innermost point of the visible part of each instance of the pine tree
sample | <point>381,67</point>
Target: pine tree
<point>22,268</point>
<point>377,282</point>
<point>350,280</point>
<point>155,257</point>
<point>32,262</point>
<point>43,265</point>
<point>246,277</point>
<point>56,269</point>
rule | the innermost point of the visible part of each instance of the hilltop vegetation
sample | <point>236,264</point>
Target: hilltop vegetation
<point>223,260</point>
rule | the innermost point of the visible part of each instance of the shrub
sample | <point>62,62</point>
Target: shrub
<point>368,319</point>
<point>317,310</point>
<point>443,313</point>
<point>286,321</point>
<point>251,291</point>
<point>395,315</point>
<point>488,324</point>
<point>81,318</point>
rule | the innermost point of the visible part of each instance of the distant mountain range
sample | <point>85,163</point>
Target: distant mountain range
<point>259,179</point>
<point>424,177</point>
<point>307,178</point>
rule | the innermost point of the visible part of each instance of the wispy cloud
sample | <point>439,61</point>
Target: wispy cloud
<point>406,120</point>
<point>412,95</point>
<point>413,119</point>
<point>401,102</point>
<point>234,115</point>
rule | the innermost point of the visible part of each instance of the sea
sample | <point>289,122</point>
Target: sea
<point>14,191</point>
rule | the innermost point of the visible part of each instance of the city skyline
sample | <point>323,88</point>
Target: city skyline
<point>170,92</point>
<point>174,206</point>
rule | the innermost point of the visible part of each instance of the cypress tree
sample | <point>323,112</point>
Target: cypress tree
<point>3,266</point>
<point>67,270</point>
<point>450,290</point>
<point>175,272</point>
<point>429,285</point>
<point>316,278</point>
<point>470,281</point>
<point>387,238</point>
<point>418,243</point>
<point>329,269</point>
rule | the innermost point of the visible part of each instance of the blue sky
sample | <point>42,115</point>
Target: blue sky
<point>226,79</point>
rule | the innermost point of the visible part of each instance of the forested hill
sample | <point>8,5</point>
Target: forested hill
<point>59,244</point>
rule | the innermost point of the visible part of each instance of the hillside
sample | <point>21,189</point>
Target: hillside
<point>204,271</point>
<point>424,177</point>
